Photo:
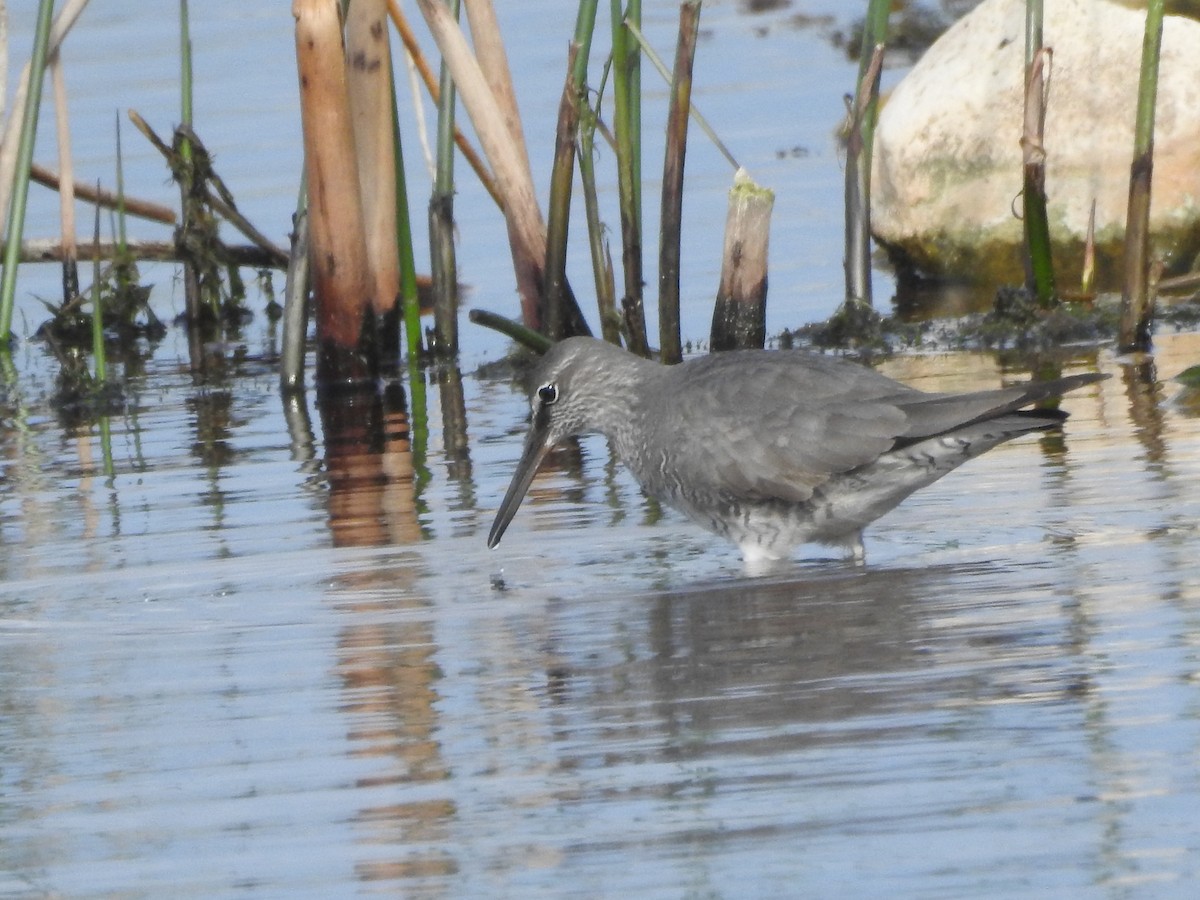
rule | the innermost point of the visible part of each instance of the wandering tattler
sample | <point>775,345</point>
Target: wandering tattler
<point>769,448</point>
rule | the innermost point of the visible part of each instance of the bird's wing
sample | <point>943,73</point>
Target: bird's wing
<point>776,425</point>
<point>931,414</point>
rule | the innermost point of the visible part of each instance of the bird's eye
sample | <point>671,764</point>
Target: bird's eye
<point>548,393</point>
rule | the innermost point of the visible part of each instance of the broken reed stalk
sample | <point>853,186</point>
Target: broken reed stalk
<point>626,68</point>
<point>527,337</point>
<point>369,86</point>
<point>860,142</point>
<point>492,59</point>
<point>66,197</point>
<point>527,237</point>
<point>602,267</point>
<point>1137,306</point>
<point>443,258</point>
<point>338,246</point>
<point>11,140</point>
<point>739,315</point>
<point>1039,263</point>
<point>20,194</point>
<point>670,344</point>
<point>220,203</point>
<point>413,49</point>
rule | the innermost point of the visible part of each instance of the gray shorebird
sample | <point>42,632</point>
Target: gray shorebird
<point>768,448</point>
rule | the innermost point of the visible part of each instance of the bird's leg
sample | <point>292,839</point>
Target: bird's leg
<point>858,553</point>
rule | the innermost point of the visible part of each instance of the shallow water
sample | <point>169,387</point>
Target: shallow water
<point>268,658</point>
<point>229,670</point>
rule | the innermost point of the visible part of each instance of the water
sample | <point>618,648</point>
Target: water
<point>261,662</point>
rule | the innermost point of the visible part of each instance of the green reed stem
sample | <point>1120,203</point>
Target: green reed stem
<point>418,424</point>
<point>697,116</point>
<point>98,352</point>
<point>122,233</point>
<point>20,193</point>
<point>626,69</point>
<point>404,238</point>
<point>602,267</point>
<point>443,259</point>
<point>185,77</point>
<point>562,173</point>
<point>191,278</point>
<point>671,218</point>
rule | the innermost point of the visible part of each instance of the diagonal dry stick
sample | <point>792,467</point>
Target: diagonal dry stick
<point>143,209</point>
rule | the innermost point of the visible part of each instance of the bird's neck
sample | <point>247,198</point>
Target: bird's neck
<point>618,402</point>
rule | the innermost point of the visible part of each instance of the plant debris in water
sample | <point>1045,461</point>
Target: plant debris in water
<point>1014,323</point>
<point>126,305</point>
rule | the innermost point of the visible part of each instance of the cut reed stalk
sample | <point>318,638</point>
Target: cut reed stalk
<point>372,111</point>
<point>739,315</point>
<point>20,193</point>
<point>338,245</point>
<point>670,343</point>
<point>1137,307</point>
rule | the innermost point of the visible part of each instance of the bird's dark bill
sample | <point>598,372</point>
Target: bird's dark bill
<point>531,458</point>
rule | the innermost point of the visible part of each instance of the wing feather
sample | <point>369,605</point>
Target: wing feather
<point>780,424</point>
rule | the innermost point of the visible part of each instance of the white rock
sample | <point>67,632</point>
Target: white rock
<point>948,172</point>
